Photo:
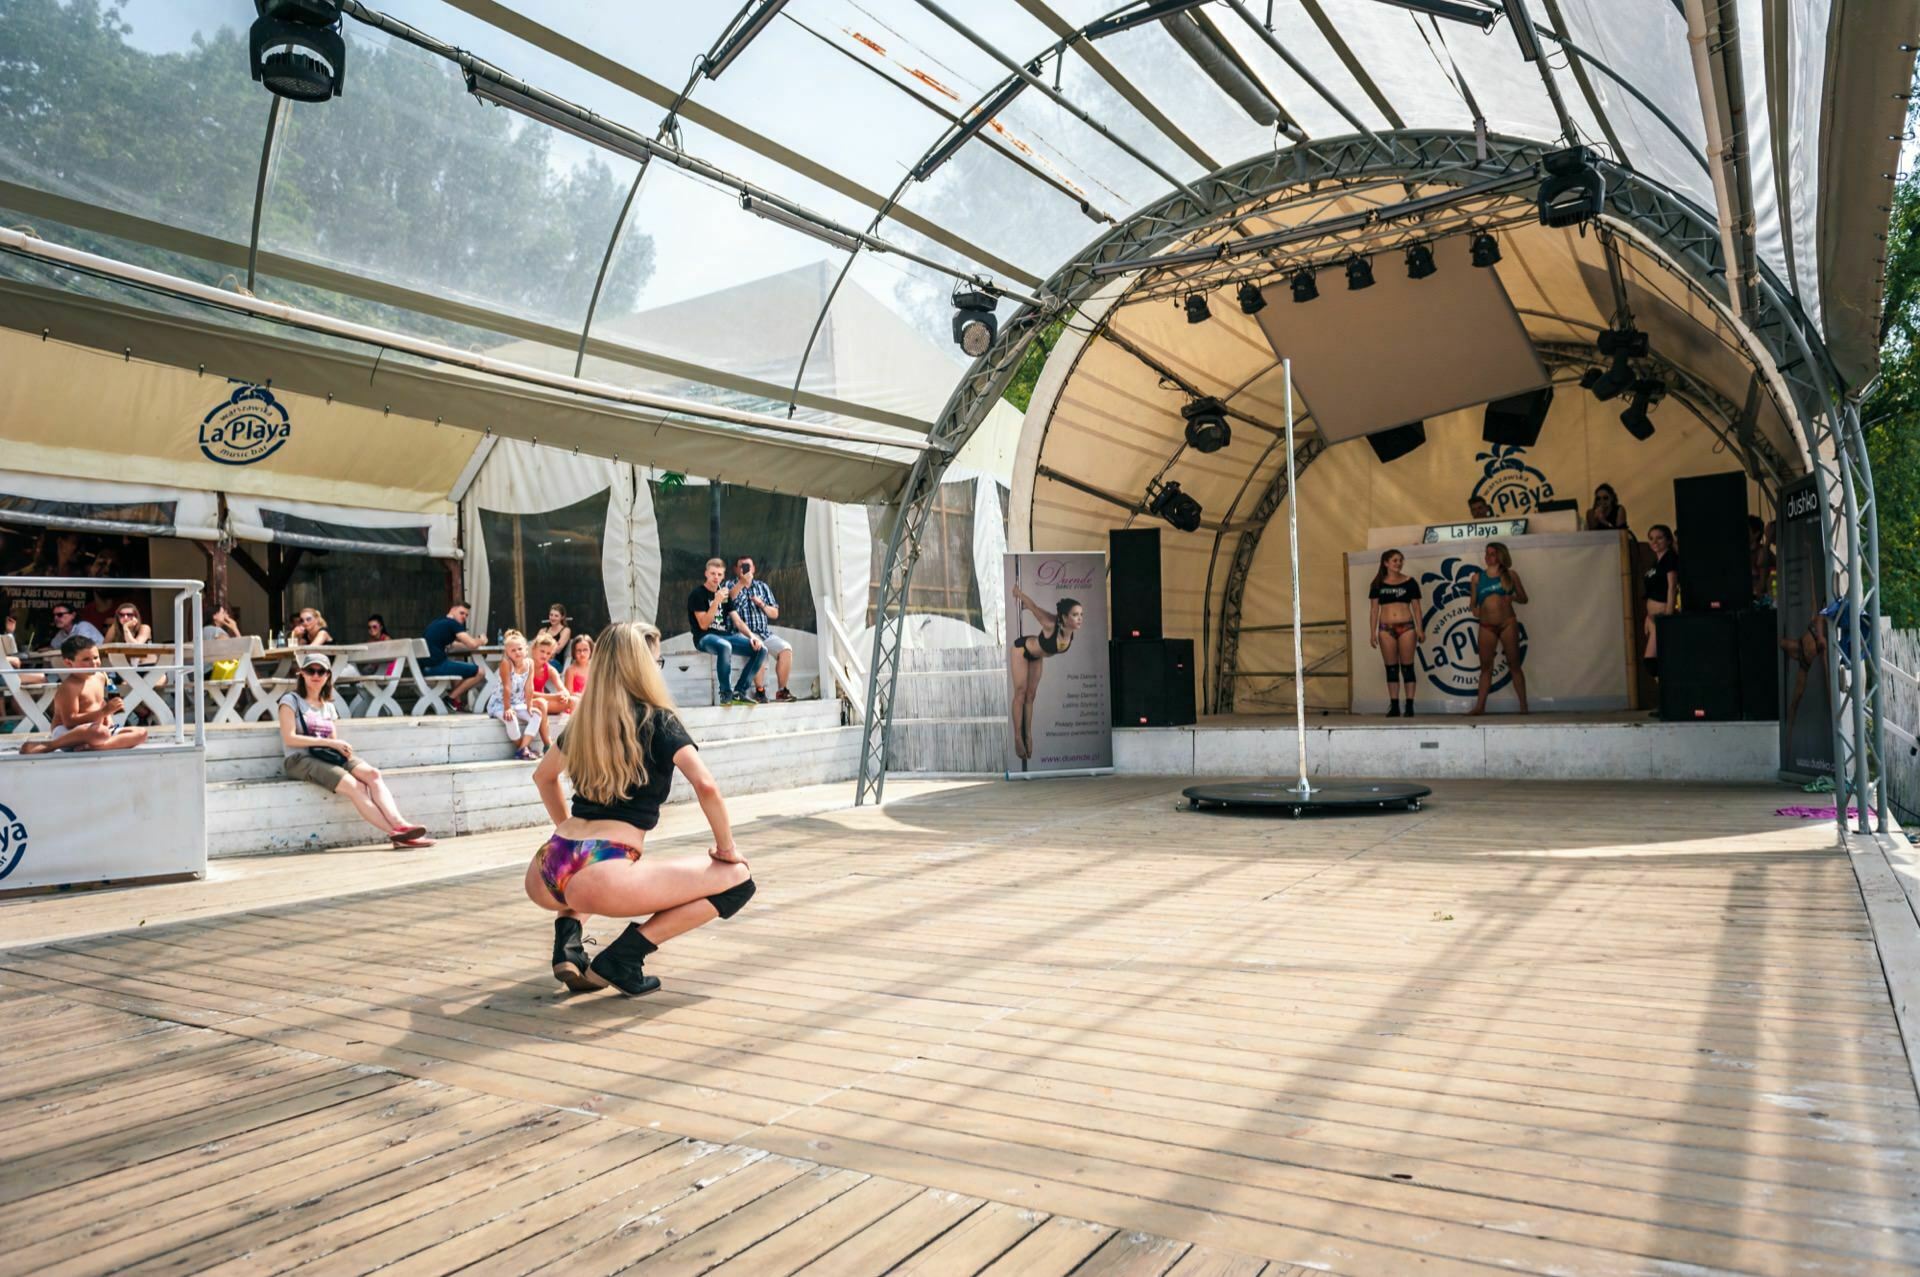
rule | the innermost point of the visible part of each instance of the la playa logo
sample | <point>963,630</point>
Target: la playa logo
<point>13,840</point>
<point>1508,484</point>
<point>250,426</point>
<point>1450,657</point>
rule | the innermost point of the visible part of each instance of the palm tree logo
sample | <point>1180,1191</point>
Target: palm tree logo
<point>1507,483</point>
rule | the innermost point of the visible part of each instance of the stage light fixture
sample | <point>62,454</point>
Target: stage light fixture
<point>1636,419</point>
<point>1420,261</point>
<point>1198,311</point>
<point>974,326</point>
<point>1485,249</point>
<point>1305,286</point>
<point>1207,429</point>
<point>767,210</point>
<point>1252,300</point>
<point>295,48</point>
<point>1573,191</point>
<point>1620,346</point>
<point>751,24</point>
<point>1180,511</point>
<point>1359,274</point>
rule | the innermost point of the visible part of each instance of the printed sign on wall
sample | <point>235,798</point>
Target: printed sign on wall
<point>1806,718</point>
<point>1059,716</point>
<point>250,426</point>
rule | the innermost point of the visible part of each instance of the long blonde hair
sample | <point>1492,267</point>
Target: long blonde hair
<point>606,742</point>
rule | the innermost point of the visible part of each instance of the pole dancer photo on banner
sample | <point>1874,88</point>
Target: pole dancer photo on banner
<point>1806,719</point>
<point>1058,716</point>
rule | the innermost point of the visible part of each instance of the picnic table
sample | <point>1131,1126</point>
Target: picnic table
<point>35,698</point>
<point>132,664</point>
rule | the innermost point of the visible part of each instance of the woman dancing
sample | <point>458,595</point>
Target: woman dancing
<point>1661,585</point>
<point>1496,591</point>
<point>1057,628</point>
<point>1395,627</point>
<point>620,752</point>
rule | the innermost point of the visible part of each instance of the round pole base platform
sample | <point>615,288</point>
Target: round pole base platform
<point>1337,797</point>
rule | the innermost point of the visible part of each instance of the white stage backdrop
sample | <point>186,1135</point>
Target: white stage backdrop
<point>1573,635</point>
<point>1071,724</point>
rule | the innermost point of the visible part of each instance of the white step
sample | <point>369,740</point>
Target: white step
<point>250,817</point>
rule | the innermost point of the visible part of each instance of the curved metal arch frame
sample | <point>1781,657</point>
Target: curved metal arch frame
<point>1666,225</point>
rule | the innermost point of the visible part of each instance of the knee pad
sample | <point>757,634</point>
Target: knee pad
<point>1406,674</point>
<point>1393,672</point>
<point>733,899</point>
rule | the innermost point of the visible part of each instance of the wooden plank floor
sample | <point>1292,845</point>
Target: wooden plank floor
<point>1056,1027</point>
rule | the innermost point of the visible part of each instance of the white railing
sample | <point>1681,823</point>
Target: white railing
<point>32,690</point>
<point>840,658</point>
<point>1900,706</point>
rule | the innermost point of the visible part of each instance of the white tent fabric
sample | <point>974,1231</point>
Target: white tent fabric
<point>330,527</point>
<point>105,505</point>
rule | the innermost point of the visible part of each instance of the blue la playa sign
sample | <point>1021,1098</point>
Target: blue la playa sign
<point>1450,658</point>
<point>250,426</point>
<point>13,840</point>
<point>1508,484</point>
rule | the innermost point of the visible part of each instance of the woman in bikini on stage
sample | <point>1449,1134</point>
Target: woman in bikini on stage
<point>620,751</point>
<point>1057,628</point>
<point>1397,629</point>
<point>1497,590</point>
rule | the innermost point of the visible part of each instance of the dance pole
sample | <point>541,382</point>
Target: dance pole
<point>1293,556</point>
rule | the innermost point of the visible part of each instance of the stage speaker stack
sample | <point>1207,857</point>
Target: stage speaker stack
<point>1716,574</point>
<point>1391,445</point>
<point>1152,682</point>
<point>1516,421</point>
<point>1718,666</point>
<point>1133,573</point>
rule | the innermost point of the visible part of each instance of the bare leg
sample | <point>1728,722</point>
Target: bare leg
<point>382,797</point>
<point>1034,670</point>
<point>125,738</point>
<point>638,888</point>
<point>783,666</point>
<point>1019,701</point>
<point>537,892</point>
<point>677,921</point>
<point>1510,643</point>
<point>362,801</point>
<point>1489,644</point>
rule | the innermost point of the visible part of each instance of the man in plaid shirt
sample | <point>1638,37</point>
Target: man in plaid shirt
<point>754,610</point>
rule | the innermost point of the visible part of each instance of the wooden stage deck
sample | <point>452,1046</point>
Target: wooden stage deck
<point>1054,1027</point>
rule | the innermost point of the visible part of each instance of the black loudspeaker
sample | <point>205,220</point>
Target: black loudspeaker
<point>1391,445</point>
<point>1710,512</point>
<point>1133,562</point>
<point>1152,682</point>
<point>1699,666</point>
<point>1517,421</point>
<point>1759,634</point>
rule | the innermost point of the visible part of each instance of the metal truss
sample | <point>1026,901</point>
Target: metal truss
<point>1672,229</point>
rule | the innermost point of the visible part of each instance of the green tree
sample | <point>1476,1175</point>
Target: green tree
<point>1892,414</point>
<point>1019,391</point>
<point>406,179</point>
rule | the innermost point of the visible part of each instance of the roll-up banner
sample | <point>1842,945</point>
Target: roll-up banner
<point>1806,719</point>
<point>1059,718</point>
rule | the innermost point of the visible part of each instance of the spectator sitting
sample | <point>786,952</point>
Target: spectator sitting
<point>556,628</point>
<point>314,751</point>
<point>709,609</point>
<point>67,624</point>
<point>547,691</point>
<point>1606,514</point>
<point>579,661</point>
<point>1478,508</point>
<point>310,630</point>
<point>511,701</point>
<point>755,609</point>
<point>223,624</point>
<point>130,627</point>
<point>377,633</point>
<point>84,707</point>
<point>446,636</point>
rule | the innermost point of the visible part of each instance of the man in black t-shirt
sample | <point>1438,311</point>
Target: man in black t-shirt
<point>446,637</point>
<point>710,618</point>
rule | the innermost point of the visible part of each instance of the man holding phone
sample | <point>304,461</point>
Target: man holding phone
<point>710,616</point>
<point>754,611</point>
<point>85,707</point>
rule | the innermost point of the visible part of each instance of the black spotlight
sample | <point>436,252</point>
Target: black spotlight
<point>1635,418</point>
<point>1252,300</point>
<point>974,326</point>
<point>1207,429</point>
<point>1197,310</point>
<point>1420,261</point>
<point>1573,191</point>
<point>1305,286</point>
<point>1175,506</point>
<point>1359,274</point>
<point>1485,249</point>
<point>295,49</point>
<point>1620,346</point>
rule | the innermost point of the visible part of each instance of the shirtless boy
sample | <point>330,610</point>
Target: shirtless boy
<point>82,710</point>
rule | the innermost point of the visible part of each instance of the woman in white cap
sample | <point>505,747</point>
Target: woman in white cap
<point>316,752</point>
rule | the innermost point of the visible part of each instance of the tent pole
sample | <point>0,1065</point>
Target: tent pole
<point>1293,557</point>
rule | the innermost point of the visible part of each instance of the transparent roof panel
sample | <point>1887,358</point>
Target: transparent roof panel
<point>146,109</point>
<point>1399,51</point>
<point>410,180</point>
<point>984,196</point>
<point>887,340</point>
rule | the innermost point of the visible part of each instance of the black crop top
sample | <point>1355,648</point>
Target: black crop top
<point>1656,578</point>
<point>660,740</point>
<point>1408,591</point>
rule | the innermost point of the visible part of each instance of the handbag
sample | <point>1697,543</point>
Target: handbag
<point>321,753</point>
